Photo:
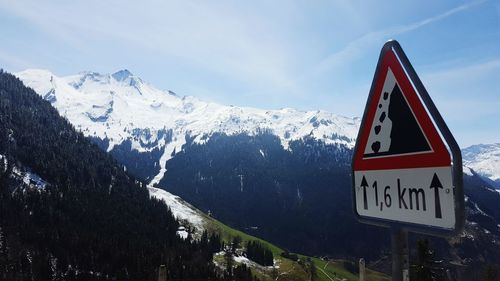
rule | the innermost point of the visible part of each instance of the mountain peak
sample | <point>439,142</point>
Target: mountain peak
<point>484,159</point>
<point>122,75</point>
<point>119,107</point>
<point>36,73</point>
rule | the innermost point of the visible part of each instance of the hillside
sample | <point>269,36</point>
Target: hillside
<point>242,166</point>
<point>286,268</point>
<point>155,134</point>
<point>65,210</point>
<point>68,211</point>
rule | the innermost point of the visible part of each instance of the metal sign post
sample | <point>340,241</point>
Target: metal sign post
<point>400,254</point>
<point>407,167</point>
<point>362,270</point>
<point>162,273</point>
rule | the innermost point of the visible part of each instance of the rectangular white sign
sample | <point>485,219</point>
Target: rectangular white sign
<point>422,196</point>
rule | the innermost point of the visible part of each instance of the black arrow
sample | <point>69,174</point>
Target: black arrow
<point>436,184</point>
<point>364,185</point>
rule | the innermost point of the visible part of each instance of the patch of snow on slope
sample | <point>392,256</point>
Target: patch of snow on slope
<point>3,160</point>
<point>182,233</point>
<point>480,211</point>
<point>181,209</point>
<point>244,260</point>
<point>169,150</point>
<point>29,178</point>
<point>467,171</point>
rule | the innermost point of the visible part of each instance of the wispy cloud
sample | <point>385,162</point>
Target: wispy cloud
<point>467,96</point>
<point>465,73</point>
<point>260,53</point>
<point>465,92</point>
<point>357,48</point>
<point>215,38</point>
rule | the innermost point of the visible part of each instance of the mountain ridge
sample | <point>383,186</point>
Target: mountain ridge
<point>102,106</point>
<point>484,159</point>
<point>120,107</point>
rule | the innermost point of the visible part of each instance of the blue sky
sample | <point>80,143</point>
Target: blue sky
<point>272,54</point>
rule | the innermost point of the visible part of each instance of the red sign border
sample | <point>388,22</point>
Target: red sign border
<point>438,157</point>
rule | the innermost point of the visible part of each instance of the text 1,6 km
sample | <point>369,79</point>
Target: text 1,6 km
<point>421,196</point>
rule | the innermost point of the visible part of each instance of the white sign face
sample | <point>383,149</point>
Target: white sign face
<point>423,196</point>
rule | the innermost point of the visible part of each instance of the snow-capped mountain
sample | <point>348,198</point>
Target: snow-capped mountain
<point>245,180</point>
<point>120,107</point>
<point>484,159</point>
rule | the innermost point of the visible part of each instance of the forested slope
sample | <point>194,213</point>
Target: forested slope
<point>68,211</point>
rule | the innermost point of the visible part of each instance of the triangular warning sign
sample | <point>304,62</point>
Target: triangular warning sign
<point>402,171</point>
<point>397,131</point>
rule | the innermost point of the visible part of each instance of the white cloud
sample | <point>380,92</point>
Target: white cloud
<point>467,97</point>
<point>356,49</point>
<point>466,92</point>
<point>465,73</point>
<point>217,38</point>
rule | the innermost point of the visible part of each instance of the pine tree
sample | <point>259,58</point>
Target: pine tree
<point>491,273</point>
<point>426,268</point>
<point>257,252</point>
<point>235,244</point>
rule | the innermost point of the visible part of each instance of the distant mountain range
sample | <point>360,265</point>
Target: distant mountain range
<point>122,107</point>
<point>68,211</point>
<point>283,175</point>
<point>484,159</point>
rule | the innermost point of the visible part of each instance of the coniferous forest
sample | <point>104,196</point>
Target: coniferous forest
<point>259,253</point>
<point>89,220</point>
